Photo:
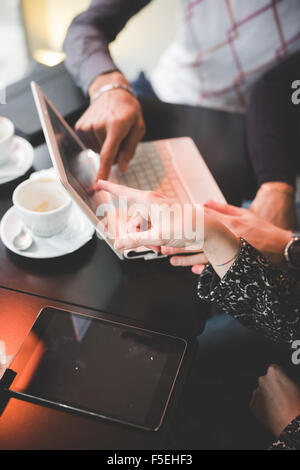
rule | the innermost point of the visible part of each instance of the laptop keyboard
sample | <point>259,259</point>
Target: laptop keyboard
<point>150,170</point>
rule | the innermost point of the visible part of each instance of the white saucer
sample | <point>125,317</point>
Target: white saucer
<point>77,233</point>
<point>19,162</point>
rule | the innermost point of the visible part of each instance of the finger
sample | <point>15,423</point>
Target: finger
<point>118,190</point>
<point>188,260</point>
<point>100,135</point>
<point>274,368</point>
<point>155,248</point>
<point>168,250</point>
<point>138,239</point>
<point>87,135</point>
<point>108,154</point>
<point>224,208</point>
<point>198,268</point>
<point>128,147</point>
<point>276,374</point>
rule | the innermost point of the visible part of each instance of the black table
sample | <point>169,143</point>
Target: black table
<point>151,294</point>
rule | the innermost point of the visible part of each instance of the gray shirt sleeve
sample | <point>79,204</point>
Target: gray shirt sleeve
<point>89,35</point>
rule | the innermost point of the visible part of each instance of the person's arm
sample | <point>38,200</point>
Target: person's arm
<point>276,404</point>
<point>239,278</point>
<point>88,38</point>
<point>113,124</point>
<point>257,294</point>
<point>272,120</point>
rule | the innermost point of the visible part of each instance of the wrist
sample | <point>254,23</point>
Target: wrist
<point>212,230</point>
<point>279,240</point>
<point>279,186</point>
<point>220,244</point>
<point>112,78</point>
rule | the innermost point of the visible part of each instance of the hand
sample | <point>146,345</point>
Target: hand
<point>113,123</point>
<point>276,402</point>
<point>155,220</point>
<point>264,236</point>
<point>275,203</point>
<point>160,222</point>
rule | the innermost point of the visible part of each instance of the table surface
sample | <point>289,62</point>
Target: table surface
<point>152,294</point>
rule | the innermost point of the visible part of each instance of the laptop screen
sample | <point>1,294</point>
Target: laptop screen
<point>81,165</point>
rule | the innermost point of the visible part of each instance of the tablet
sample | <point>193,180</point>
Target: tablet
<point>98,367</point>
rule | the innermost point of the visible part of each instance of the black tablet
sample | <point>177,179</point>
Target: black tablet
<point>98,367</point>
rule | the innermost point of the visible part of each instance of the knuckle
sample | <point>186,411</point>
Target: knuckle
<point>112,122</point>
<point>105,157</point>
<point>234,222</point>
<point>141,125</point>
<point>261,381</point>
<point>127,157</point>
<point>272,369</point>
<point>99,126</point>
<point>156,194</point>
<point>82,126</point>
<point>152,195</point>
<point>116,121</point>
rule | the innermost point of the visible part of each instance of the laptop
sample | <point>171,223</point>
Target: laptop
<point>173,167</point>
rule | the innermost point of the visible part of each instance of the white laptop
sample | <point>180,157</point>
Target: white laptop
<point>172,166</point>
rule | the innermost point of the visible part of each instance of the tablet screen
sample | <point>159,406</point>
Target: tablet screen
<point>98,367</point>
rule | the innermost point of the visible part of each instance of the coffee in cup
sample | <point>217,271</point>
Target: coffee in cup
<point>43,205</point>
<point>7,132</point>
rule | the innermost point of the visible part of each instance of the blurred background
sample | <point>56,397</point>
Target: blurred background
<point>34,30</point>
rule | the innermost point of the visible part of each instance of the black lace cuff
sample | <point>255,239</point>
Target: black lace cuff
<point>289,438</point>
<point>210,286</point>
<point>256,293</point>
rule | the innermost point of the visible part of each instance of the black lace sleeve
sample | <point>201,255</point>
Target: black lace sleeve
<point>289,438</point>
<point>257,294</point>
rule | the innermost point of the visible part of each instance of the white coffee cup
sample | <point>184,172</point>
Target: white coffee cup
<point>43,205</point>
<point>7,132</point>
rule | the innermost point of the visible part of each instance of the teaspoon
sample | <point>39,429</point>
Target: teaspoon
<point>23,240</point>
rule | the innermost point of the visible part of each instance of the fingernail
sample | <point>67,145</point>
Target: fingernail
<point>175,261</point>
<point>196,270</point>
